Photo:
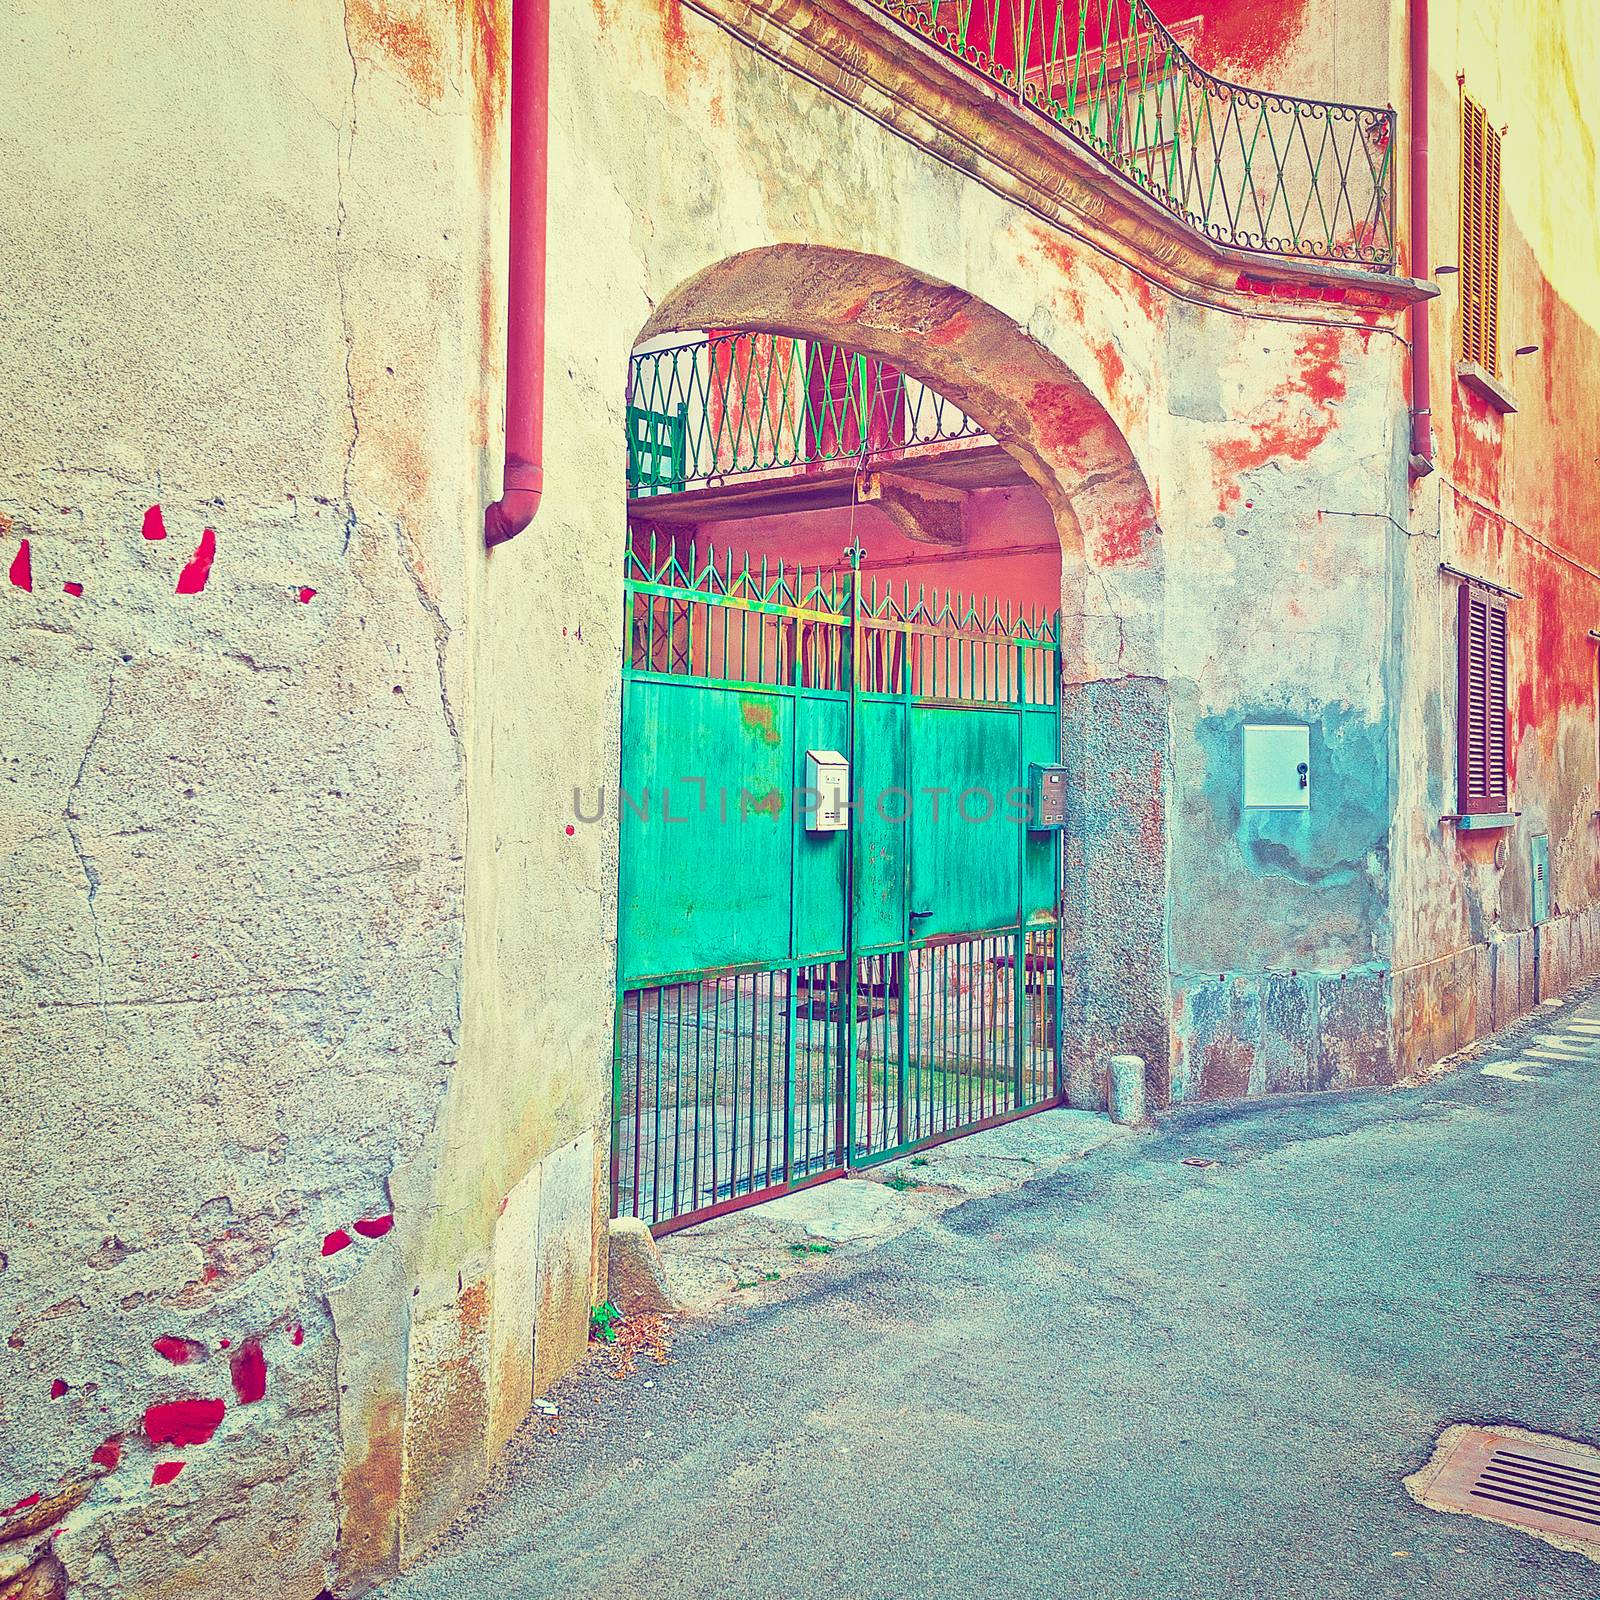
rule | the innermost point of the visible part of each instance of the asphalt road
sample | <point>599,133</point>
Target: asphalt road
<point>1132,1378</point>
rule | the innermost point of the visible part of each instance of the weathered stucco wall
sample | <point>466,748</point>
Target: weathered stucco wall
<point>282,1205</point>
<point>1269,449</point>
<point>1513,502</point>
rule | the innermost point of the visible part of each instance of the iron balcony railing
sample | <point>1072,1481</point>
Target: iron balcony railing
<point>735,403</point>
<point>1311,179</point>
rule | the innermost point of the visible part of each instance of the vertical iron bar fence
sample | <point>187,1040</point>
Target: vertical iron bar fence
<point>734,1083</point>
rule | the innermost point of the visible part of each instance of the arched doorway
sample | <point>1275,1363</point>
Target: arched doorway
<point>842,929</point>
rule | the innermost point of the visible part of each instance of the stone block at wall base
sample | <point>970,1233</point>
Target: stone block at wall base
<point>636,1280</point>
<point>1354,1030</point>
<point>1443,1006</point>
<point>1246,1035</point>
<point>512,1309</point>
<point>566,1220</point>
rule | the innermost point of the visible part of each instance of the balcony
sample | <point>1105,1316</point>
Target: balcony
<point>1273,174</point>
<point>738,421</point>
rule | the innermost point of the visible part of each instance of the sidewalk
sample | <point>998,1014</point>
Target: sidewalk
<point>742,1255</point>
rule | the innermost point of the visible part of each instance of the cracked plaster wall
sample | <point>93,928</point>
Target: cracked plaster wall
<point>253,1161</point>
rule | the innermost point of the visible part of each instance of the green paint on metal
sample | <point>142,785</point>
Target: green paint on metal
<point>657,444</point>
<point>1246,167</point>
<point>737,403</point>
<point>794,1001</point>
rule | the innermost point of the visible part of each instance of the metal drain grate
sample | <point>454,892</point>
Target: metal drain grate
<point>1545,1486</point>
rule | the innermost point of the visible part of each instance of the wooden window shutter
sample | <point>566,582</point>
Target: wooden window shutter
<point>1480,237</point>
<point>1482,767</point>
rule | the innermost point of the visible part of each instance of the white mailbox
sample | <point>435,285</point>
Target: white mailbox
<point>828,783</point>
<point>1277,766</point>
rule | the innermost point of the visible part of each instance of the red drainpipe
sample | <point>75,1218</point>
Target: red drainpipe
<point>1421,402</point>
<point>525,278</point>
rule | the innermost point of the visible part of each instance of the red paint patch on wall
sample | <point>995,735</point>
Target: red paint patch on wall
<point>1553,668</point>
<point>72,588</point>
<point>947,333</point>
<point>109,1453</point>
<point>297,1335</point>
<point>1324,379</point>
<point>165,1472</point>
<point>1478,432</point>
<point>1295,419</point>
<point>249,1372</point>
<point>305,596</point>
<point>335,1242</point>
<point>153,527</point>
<point>21,573</point>
<point>374,1227</point>
<point>1122,536</point>
<point>177,1350</point>
<point>681,56</point>
<point>26,1503</point>
<point>182,1422</point>
<point>58,1388</point>
<point>198,567</point>
<point>409,43</point>
<point>1243,37</point>
<point>1058,411</point>
<point>1112,368</point>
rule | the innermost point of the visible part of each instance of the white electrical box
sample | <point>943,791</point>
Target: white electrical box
<point>828,797</point>
<point>1277,766</point>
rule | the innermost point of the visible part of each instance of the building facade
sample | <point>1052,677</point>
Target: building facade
<point>347,960</point>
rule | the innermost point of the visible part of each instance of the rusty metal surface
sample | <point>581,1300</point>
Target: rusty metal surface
<point>1539,1486</point>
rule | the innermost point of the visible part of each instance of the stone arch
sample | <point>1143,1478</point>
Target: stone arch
<point>1115,711</point>
<point>1025,396</point>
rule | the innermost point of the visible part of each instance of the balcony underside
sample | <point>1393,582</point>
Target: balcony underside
<point>822,485</point>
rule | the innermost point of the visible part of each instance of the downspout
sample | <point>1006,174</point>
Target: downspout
<point>525,276</point>
<point>1421,400</point>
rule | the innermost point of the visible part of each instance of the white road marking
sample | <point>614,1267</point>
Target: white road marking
<point>1510,1069</point>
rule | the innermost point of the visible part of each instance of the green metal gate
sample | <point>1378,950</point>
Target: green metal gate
<point>792,1003</point>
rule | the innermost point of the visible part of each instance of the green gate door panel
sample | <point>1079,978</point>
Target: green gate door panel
<point>699,889</point>
<point>1041,888</point>
<point>820,858</point>
<point>880,787</point>
<point>965,869</point>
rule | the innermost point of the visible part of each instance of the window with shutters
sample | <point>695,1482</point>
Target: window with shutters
<point>1480,237</point>
<point>1481,776</point>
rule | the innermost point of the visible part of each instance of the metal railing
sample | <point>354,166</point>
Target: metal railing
<point>806,1046</point>
<point>735,403</point>
<point>1258,171</point>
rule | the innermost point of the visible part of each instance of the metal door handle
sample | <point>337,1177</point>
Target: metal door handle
<point>916,914</point>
